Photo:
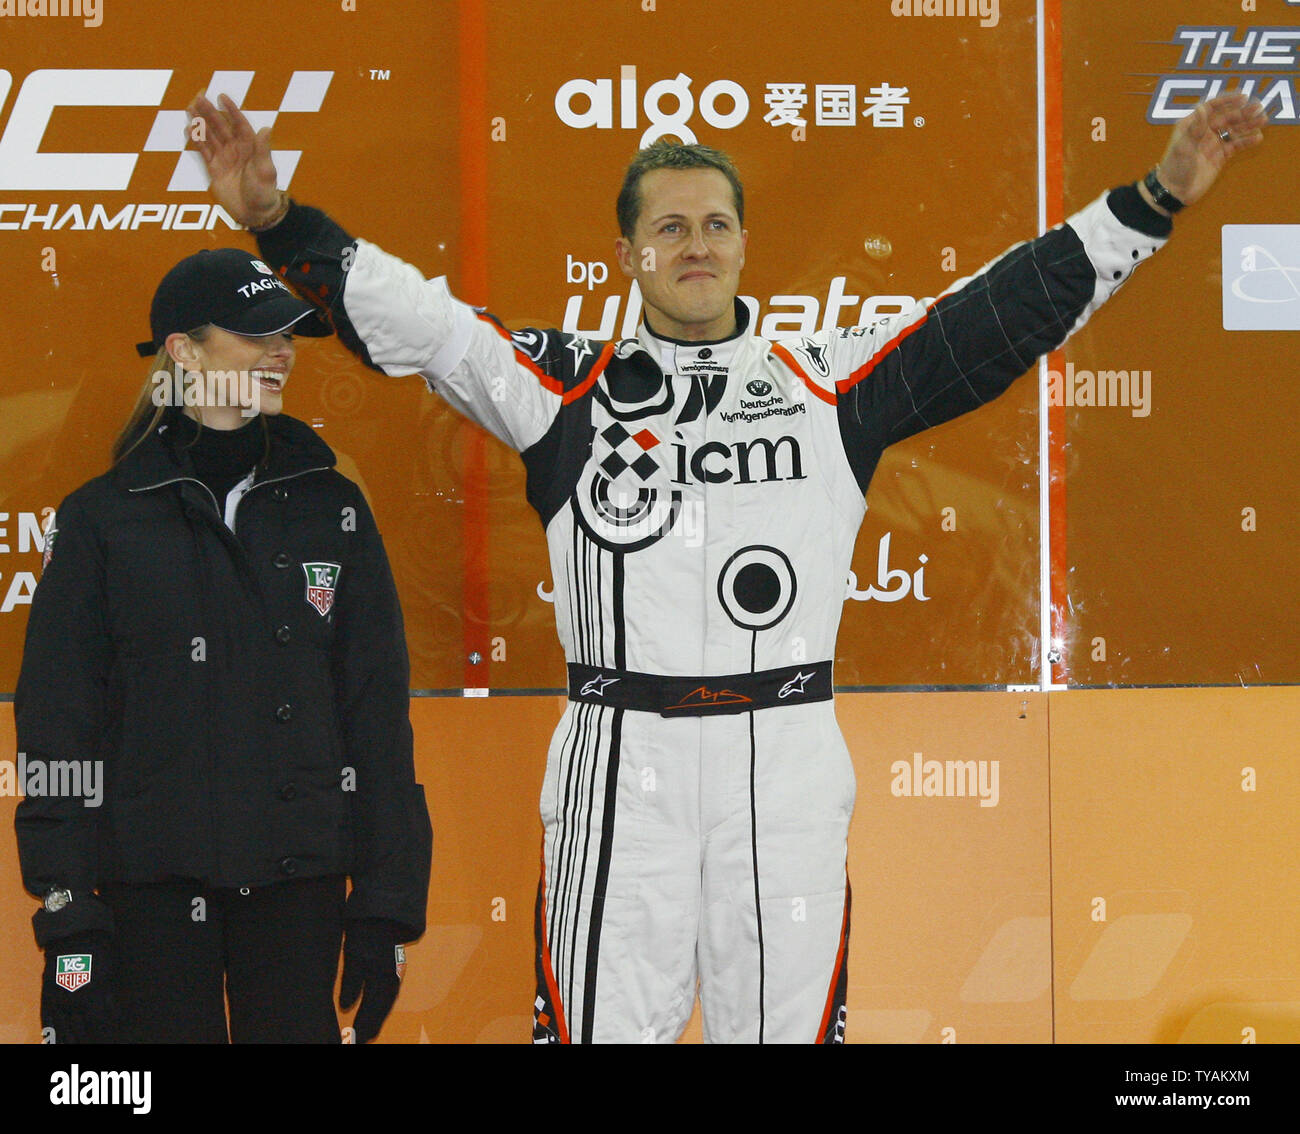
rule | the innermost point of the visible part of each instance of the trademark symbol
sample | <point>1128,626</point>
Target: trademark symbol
<point>918,120</point>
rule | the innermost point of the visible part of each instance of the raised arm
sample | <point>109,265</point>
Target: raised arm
<point>386,311</point>
<point>929,365</point>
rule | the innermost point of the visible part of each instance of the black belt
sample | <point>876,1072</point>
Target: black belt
<point>700,696</point>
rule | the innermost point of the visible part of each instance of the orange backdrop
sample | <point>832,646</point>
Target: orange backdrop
<point>458,136</point>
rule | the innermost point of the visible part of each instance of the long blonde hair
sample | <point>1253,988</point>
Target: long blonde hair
<point>149,406</point>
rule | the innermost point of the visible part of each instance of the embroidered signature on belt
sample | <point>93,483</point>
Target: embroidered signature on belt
<point>705,696</point>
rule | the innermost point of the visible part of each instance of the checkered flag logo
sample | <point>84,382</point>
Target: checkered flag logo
<point>304,94</point>
<point>629,451</point>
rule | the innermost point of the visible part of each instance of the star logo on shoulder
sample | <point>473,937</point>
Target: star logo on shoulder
<point>816,354</point>
<point>581,349</point>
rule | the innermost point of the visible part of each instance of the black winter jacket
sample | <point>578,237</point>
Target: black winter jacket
<point>247,692</point>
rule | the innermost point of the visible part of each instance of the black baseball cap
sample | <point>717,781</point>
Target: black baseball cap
<point>233,290</point>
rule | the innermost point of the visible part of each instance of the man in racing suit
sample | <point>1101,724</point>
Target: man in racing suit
<point>697,793</point>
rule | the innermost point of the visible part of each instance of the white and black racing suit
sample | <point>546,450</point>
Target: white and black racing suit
<point>701,503</point>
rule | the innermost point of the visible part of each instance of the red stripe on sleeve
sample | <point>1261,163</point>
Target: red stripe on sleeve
<point>552,384</point>
<point>870,365</point>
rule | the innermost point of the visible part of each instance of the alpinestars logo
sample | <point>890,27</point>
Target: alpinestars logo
<point>815,353</point>
<point>597,685</point>
<point>26,167</point>
<point>794,685</point>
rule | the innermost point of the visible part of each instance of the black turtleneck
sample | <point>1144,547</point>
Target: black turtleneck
<point>221,457</point>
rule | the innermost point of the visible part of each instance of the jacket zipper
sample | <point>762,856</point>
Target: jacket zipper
<point>212,496</point>
<point>258,484</point>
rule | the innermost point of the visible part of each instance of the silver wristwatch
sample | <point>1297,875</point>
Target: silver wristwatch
<point>55,900</point>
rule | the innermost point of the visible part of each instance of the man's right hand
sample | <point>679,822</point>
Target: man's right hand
<point>239,162</point>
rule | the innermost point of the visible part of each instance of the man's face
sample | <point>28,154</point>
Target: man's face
<point>686,253</point>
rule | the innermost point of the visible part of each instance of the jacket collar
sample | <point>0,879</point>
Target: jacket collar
<point>653,338</point>
<point>708,358</point>
<point>295,449</point>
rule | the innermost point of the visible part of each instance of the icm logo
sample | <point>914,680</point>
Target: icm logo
<point>760,461</point>
<point>1261,277</point>
<point>24,166</point>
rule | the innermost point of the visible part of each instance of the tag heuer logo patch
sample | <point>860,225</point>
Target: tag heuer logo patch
<point>72,971</point>
<point>322,578</point>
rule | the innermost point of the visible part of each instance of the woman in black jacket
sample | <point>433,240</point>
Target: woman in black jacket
<point>213,707</point>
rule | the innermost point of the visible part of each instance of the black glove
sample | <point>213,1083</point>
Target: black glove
<point>77,989</point>
<point>372,952</point>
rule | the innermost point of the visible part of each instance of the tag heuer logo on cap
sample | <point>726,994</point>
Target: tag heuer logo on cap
<point>72,971</point>
<point>261,267</point>
<point>322,578</point>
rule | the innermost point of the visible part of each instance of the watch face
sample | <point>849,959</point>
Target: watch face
<point>55,900</point>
